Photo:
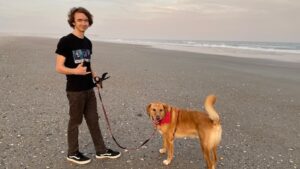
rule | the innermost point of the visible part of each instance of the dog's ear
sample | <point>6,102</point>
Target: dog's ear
<point>167,108</point>
<point>148,109</point>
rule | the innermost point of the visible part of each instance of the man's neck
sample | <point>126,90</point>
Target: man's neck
<point>78,34</point>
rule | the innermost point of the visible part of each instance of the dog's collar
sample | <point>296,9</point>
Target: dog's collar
<point>166,119</point>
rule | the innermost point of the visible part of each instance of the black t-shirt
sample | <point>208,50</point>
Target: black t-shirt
<point>76,51</point>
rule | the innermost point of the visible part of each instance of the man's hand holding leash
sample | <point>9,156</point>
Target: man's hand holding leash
<point>98,80</point>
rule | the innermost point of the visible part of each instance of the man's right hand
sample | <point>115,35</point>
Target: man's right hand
<point>80,70</point>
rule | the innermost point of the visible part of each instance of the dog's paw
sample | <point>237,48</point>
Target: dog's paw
<point>166,162</point>
<point>162,150</point>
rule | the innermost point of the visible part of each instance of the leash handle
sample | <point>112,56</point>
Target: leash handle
<point>99,80</point>
<point>110,131</point>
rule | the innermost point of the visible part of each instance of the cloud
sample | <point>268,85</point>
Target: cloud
<point>201,19</point>
<point>207,8</point>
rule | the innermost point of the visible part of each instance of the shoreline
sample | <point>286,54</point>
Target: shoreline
<point>239,53</point>
<point>230,52</point>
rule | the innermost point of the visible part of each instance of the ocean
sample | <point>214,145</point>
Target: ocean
<point>280,51</point>
<point>284,47</point>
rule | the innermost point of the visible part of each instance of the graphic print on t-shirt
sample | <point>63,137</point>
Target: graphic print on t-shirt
<point>81,55</point>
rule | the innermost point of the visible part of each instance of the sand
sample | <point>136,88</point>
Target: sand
<point>258,102</point>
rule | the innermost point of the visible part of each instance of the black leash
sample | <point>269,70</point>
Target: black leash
<point>99,81</point>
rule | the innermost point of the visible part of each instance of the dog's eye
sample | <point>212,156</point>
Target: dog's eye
<point>154,109</point>
<point>160,110</point>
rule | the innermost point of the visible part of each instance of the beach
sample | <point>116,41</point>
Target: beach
<point>258,101</point>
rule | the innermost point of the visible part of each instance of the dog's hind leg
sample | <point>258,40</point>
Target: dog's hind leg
<point>215,158</point>
<point>208,160</point>
<point>206,154</point>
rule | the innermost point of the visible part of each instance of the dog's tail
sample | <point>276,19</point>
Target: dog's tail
<point>209,107</point>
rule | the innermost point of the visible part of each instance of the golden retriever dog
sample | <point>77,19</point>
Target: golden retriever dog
<point>174,122</point>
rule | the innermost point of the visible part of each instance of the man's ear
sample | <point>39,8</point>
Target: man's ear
<point>148,109</point>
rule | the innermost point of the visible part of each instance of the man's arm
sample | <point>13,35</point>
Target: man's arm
<point>61,68</point>
<point>94,74</point>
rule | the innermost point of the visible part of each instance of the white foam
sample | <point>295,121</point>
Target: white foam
<point>222,49</point>
<point>235,52</point>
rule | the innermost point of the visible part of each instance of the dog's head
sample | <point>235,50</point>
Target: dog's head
<point>157,111</point>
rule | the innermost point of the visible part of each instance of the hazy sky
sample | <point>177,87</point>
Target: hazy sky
<point>248,20</point>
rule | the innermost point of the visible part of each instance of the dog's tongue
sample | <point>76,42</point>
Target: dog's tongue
<point>156,122</point>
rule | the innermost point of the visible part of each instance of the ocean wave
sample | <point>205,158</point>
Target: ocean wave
<point>274,47</point>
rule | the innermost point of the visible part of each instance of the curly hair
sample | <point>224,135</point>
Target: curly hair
<point>74,10</point>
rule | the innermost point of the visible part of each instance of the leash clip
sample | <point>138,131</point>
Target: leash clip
<point>99,80</point>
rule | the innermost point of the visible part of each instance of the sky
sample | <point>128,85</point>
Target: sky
<point>233,20</point>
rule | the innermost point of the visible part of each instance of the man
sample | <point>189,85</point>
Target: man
<point>74,60</point>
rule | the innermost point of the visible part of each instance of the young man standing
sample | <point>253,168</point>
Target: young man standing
<point>74,60</point>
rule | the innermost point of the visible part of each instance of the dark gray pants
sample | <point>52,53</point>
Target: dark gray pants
<point>83,103</point>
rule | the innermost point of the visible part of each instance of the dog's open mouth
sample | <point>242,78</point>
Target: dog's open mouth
<point>156,121</point>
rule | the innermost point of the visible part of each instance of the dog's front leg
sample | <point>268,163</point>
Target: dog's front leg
<point>170,148</point>
<point>164,148</point>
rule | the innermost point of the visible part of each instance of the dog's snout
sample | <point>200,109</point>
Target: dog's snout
<point>157,118</point>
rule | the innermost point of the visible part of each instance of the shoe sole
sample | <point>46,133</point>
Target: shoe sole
<point>111,157</point>
<point>79,162</point>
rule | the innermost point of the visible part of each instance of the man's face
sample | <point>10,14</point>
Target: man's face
<point>81,22</point>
